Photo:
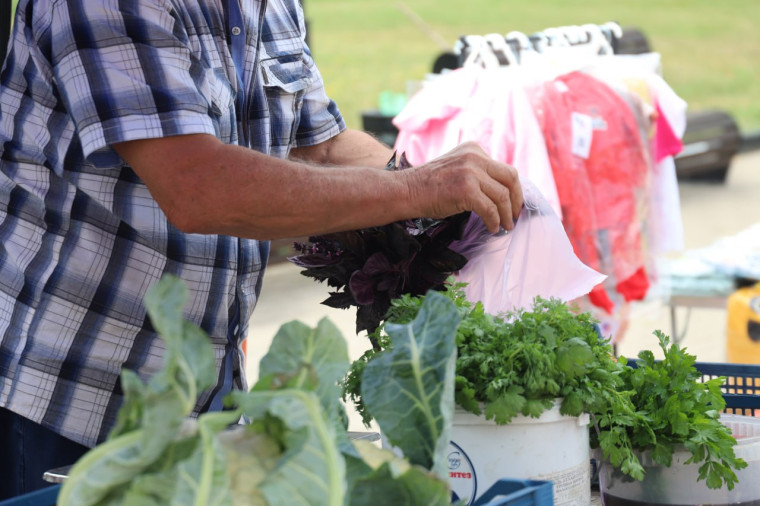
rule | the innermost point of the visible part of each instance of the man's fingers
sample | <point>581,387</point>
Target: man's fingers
<point>499,206</point>
<point>517,200</point>
<point>468,179</point>
<point>507,176</point>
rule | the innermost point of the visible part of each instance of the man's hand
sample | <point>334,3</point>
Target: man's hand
<point>467,179</point>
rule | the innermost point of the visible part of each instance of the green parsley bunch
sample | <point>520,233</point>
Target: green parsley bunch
<point>675,410</point>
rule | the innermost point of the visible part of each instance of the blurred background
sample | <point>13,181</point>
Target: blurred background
<point>710,50</point>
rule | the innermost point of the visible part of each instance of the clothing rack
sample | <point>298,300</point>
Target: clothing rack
<point>537,105</point>
<point>508,49</point>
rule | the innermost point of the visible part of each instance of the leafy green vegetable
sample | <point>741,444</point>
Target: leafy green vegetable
<point>251,456</point>
<point>674,410</point>
<point>371,266</point>
<point>152,414</point>
<point>410,386</point>
<point>295,449</point>
<point>312,471</point>
<point>520,363</point>
<point>515,364</point>
<point>395,481</point>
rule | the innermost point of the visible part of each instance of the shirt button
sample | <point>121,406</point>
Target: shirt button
<point>235,30</point>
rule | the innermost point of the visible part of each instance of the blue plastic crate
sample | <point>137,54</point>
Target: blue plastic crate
<point>43,497</point>
<point>518,493</point>
<point>741,390</point>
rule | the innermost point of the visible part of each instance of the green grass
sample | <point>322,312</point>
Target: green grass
<point>710,49</point>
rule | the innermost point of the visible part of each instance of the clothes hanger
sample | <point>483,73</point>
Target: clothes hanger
<point>502,49</point>
<point>615,35</point>
<point>556,37</point>
<point>540,41</point>
<point>480,52</point>
<point>573,34</point>
<point>522,40</point>
<point>598,40</point>
<point>617,31</point>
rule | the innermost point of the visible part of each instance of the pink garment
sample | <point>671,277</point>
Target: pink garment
<point>427,126</point>
<point>487,106</point>
<point>666,141</point>
<point>664,222</point>
<point>534,259</point>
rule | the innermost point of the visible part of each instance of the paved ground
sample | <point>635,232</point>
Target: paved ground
<point>710,211</point>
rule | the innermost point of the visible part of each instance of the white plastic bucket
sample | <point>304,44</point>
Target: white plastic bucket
<point>680,484</point>
<point>553,447</point>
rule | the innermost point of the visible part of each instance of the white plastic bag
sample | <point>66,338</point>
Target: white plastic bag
<point>534,259</point>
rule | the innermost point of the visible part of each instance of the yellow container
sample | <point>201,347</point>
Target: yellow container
<point>743,333</point>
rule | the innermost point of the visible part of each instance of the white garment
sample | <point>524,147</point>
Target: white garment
<point>665,220</point>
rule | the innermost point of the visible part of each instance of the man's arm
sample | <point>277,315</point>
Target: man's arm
<point>350,147</point>
<point>206,186</point>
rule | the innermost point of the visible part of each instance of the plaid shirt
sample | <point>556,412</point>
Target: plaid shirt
<point>81,239</point>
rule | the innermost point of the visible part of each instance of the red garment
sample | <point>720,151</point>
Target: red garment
<point>601,169</point>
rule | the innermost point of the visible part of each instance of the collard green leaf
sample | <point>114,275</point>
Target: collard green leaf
<point>103,469</point>
<point>250,455</point>
<point>409,389</point>
<point>295,451</point>
<point>396,482</point>
<point>297,348</point>
<point>203,478</point>
<point>188,369</point>
<point>314,359</point>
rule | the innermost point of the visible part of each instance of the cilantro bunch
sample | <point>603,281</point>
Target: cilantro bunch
<point>520,364</point>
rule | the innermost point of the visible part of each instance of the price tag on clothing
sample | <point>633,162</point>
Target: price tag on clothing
<point>583,132</point>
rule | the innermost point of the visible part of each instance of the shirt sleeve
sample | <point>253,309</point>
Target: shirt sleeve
<point>320,118</point>
<point>128,74</point>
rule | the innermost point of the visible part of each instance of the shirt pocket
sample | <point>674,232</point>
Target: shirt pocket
<point>285,79</point>
<point>220,94</point>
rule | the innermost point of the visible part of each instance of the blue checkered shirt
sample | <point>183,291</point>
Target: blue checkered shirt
<point>81,239</point>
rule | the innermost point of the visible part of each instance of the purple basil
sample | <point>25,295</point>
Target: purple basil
<point>370,267</point>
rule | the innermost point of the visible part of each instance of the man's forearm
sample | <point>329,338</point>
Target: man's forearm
<point>205,186</point>
<point>350,148</point>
